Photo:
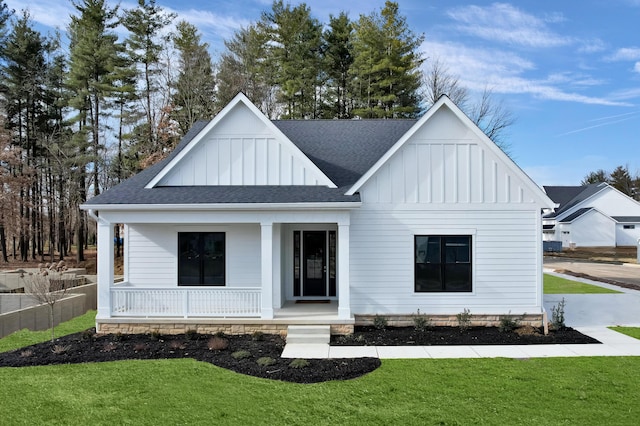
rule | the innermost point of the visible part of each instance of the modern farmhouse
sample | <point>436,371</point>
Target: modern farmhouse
<point>253,224</point>
<point>595,215</point>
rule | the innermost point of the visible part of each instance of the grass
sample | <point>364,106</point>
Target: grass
<point>557,285</point>
<point>539,391</point>
<point>451,392</point>
<point>629,331</point>
<point>26,337</point>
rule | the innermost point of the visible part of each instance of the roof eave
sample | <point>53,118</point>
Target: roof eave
<point>333,205</point>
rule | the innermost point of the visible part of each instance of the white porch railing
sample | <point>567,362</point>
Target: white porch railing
<point>186,302</point>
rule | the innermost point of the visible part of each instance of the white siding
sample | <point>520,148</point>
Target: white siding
<point>613,203</point>
<point>627,237</point>
<point>241,150</point>
<point>443,163</point>
<point>152,251</point>
<point>504,258</point>
<point>592,229</point>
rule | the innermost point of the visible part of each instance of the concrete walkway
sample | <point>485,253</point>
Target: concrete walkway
<point>613,344</point>
<point>590,314</point>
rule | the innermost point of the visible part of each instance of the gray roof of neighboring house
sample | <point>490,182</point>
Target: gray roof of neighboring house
<point>569,196</point>
<point>573,216</point>
<point>626,219</point>
<point>343,149</point>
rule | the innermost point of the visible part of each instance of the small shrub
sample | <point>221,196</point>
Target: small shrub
<point>421,322</point>
<point>87,335</point>
<point>258,336</point>
<point>26,353</point>
<point>265,361</point>
<point>140,347</point>
<point>508,323</point>
<point>217,343</point>
<point>60,349</point>
<point>241,355</point>
<point>155,335</point>
<point>219,334</point>
<point>464,319</point>
<point>109,347</point>
<point>191,335</point>
<point>557,315</point>
<point>118,337</point>
<point>359,338</point>
<point>299,363</point>
<point>176,344</point>
<point>380,322</point>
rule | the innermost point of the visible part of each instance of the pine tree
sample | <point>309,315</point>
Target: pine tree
<point>295,55</point>
<point>145,24</point>
<point>338,58</point>
<point>194,97</point>
<point>386,68</point>
<point>242,69</point>
<point>94,52</point>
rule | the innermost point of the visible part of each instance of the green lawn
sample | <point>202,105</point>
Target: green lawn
<point>557,285</point>
<point>629,331</point>
<point>26,337</point>
<point>551,391</point>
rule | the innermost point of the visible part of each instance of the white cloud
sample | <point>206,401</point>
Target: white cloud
<point>53,14</point>
<point>636,67</point>
<point>505,72</point>
<point>505,23</point>
<point>625,54</point>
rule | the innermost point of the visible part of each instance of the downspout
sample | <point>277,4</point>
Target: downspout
<point>93,215</point>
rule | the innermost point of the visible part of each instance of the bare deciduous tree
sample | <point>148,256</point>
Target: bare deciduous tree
<point>487,113</point>
<point>48,287</point>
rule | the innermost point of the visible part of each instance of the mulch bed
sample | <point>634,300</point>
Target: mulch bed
<point>220,350</point>
<point>409,336</point>
<point>88,347</point>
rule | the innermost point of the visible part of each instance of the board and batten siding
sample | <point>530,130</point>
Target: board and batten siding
<point>446,180</point>
<point>241,150</point>
<point>152,251</point>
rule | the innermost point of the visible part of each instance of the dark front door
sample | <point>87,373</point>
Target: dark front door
<point>314,263</point>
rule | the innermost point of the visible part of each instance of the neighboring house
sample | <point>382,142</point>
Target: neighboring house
<point>392,217</point>
<point>595,215</point>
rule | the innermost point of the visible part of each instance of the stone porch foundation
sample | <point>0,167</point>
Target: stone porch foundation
<point>249,326</point>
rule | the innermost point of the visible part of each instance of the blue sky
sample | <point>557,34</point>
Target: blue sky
<point>568,70</point>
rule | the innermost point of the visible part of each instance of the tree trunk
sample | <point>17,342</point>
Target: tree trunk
<point>3,243</point>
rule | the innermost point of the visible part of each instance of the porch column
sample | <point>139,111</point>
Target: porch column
<point>266,262</point>
<point>105,267</point>
<point>344,296</point>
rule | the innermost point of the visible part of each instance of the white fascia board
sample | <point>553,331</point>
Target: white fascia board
<point>223,206</point>
<point>539,195</point>
<point>240,98</point>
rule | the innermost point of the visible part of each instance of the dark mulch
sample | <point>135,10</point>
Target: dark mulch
<point>89,347</point>
<point>396,336</point>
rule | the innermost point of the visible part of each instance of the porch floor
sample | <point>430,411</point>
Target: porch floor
<point>316,312</point>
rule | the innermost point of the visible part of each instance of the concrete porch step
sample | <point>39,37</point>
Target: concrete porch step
<point>309,334</point>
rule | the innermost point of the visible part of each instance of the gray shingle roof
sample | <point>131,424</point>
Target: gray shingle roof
<point>573,216</point>
<point>626,219</point>
<point>343,149</point>
<point>569,196</point>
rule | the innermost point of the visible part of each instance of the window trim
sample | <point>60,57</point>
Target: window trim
<point>224,260</point>
<point>470,236</point>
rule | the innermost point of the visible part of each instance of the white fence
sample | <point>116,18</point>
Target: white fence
<point>185,302</point>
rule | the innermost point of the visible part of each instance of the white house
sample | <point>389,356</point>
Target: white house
<point>596,215</point>
<point>249,220</point>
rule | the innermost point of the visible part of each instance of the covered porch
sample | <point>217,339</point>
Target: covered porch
<point>272,298</point>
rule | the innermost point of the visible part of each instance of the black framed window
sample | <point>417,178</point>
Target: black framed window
<point>442,263</point>
<point>201,258</point>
